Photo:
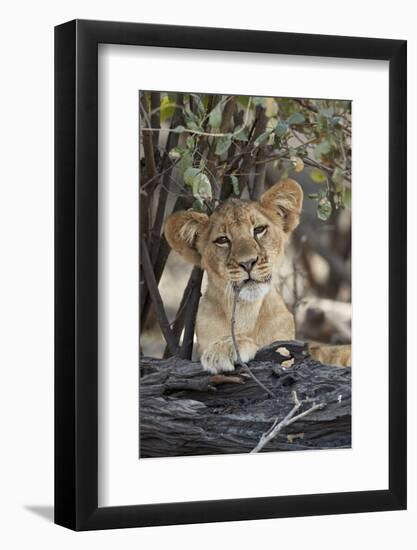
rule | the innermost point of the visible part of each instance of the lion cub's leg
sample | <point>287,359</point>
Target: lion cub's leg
<point>220,355</point>
<point>340,355</point>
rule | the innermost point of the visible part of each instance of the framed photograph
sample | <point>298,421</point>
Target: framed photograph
<point>230,247</point>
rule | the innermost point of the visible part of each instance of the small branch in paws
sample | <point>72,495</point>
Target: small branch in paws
<point>287,421</point>
<point>236,293</point>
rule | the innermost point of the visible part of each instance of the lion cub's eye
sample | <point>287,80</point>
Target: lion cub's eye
<point>222,241</point>
<point>259,229</point>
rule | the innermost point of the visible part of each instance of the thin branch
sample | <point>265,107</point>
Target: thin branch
<point>306,104</point>
<point>174,105</point>
<point>310,107</point>
<point>191,312</point>
<point>150,166</point>
<point>178,324</point>
<point>203,141</point>
<point>236,292</point>
<point>207,169</point>
<point>200,132</point>
<point>156,299</point>
<point>277,427</point>
<point>307,160</point>
<point>155,119</point>
<point>143,110</point>
<point>344,157</point>
<point>172,141</point>
<point>246,166</point>
<point>212,97</point>
<point>303,143</point>
<point>188,131</point>
<point>158,176</point>
<point>228,114</point>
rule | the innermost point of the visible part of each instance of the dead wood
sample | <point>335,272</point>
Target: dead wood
<point>186,411</point>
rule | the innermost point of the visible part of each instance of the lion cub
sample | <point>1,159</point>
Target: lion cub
<point>239,244</point>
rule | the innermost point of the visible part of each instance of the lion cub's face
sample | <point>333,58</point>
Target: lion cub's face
<point>240,245</point>
<point>241,241</point>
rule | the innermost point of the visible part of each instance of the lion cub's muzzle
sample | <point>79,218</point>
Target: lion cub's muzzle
<point>252,270</point>
<point>248,265</point>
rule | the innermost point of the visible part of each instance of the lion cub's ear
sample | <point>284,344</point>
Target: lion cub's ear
<point>182,231</point>
<point>285,199</point>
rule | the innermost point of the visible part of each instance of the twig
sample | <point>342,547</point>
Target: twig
<point>188,131</point>
<point>158,176</point>
<point>191,313</point>
<point>150,167</point>
<point>287,421</point>
<point>236,292</point>
<point>181,203</point>
<point>259,185</point>
<point>171,142</point>
<point>306,105</point>
<point>156,299</point>
<point>228,114</point>
<point>178,324</point>
<point>155,119</point>
<point>303,143</point>
<point>200,132</point>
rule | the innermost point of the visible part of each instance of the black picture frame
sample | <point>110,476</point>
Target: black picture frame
<point>76,271</point>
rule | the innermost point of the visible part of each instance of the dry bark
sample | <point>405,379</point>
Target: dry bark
<point>186,411</point>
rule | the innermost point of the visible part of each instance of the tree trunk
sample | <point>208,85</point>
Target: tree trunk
<point>186,411</point>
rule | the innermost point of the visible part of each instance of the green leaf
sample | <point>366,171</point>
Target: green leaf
<point>190,174</point>
<point>261,101</point>
<point>281,128</point>
<point>241,134</point>
<point>193,126</point>
<point>202,187</point>
<point>348,198</point>
<point>337,176</point>
<point>215,118</point>
<point>324,209</point>
<point>338,200</point>
<point>199,206</point>
<point>190,142</point>
<point>175,153</point>
<point>323,148</point>
<point>328,113</point>
<point>199,183</point>
<point>244,100</point>
<point>235,184</point>
<point>189,115</point>
<point>223,144</point>
<point>185,162</point>
<point>200,105</point>
<point>167,108</point>
<point>296,118</point>
<point>262,138</point>
<point>179,129</point>
<point>318,176</point>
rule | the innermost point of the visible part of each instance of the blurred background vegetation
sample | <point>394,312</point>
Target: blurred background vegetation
<point>197,150</point>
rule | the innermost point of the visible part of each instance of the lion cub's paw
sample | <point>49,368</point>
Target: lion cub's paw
<point>220,356</point>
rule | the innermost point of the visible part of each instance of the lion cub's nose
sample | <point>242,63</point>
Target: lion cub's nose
<point>248,265</point>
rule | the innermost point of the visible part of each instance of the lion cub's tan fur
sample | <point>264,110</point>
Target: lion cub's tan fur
<point>240,243</point>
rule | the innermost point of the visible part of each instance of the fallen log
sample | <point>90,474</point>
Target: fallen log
<point>186,411</point>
